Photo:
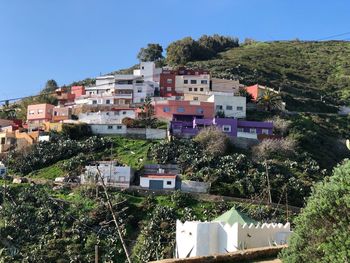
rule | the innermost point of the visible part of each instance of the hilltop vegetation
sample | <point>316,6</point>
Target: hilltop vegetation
<point>303,71</point>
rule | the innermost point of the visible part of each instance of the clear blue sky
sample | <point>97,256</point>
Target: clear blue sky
<point>70,40</point>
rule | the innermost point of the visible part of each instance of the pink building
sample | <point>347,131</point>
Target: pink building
<point>183,110</point>
<point>39,113</point>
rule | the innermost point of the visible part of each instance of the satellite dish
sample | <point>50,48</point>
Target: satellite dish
<point>348,143</point>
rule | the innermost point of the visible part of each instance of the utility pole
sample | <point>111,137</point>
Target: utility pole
<point>287,204</point>
<point>110,206</point>
<point>268,183</point>
<point>96,253</point>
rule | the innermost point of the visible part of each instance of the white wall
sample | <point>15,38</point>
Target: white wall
<point>143,90</point>
<point>247,135</point>
<point>108,128</point>
<point>106,117</point>
<point>229,100</point>
<point>207,238</point>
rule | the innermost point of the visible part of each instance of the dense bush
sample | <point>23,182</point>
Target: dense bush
<point>43,154</point>
<point>76,131</point>
<point>157,236</point>
<point>40,228</point>
<point>322,229</point>
<point>187,49</point>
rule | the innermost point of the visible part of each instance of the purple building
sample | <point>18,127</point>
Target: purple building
<point>232,127</point>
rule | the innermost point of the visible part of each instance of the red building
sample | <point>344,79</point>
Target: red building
<point>167,81</point>
<point>183,110</point>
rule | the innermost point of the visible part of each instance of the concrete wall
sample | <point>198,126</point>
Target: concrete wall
<point>120,129</point>
<point>195,187</point>
<point>119,176</point>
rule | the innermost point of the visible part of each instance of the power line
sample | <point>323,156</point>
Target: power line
<point>337,35</point>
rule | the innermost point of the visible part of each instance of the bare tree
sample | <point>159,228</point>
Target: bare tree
<point>280,125</point>
<point>213,140</point>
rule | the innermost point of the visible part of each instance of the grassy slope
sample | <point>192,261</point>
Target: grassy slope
<point>303,70</point>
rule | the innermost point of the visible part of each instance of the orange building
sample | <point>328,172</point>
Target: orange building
<point>258,90</point>
<point>39,113</point>
<point>183,110</point>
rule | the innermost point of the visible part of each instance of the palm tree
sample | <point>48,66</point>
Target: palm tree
<point>270,100</point>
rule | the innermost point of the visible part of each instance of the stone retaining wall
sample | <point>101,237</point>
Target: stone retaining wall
<point>240,256</point>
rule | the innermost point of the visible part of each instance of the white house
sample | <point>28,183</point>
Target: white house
<point>105,129</point>
<point>3,170</point>
<point>230,232</point>
<point>229,104</point>
<point>158,181</point>
<point>114,116</point>
<point>112,174</point>
<point>148,71</point>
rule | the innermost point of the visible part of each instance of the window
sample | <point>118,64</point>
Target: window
<point>169,89</point>
<point>193,81</point>
<point>94,102</point>
<point>265,131</point>
<point>108,101</point>
<point>116,113</point>
<point>252,130</point>
<point>226,128</point>
<point>201,89</point>
<point>119,127</point>
<point>228,107</point>
<point>195,98</point>
<point>139,90</point>
<point>31,112</point>
<point>195,89</point>
<point>2,140</point>
<point>185,81</point>
<point>168,182</point>
<point>142,67</point>
<point>110,127</point>
<point>124,112</point>
<point>240,129</point>
<point>40,111</point>
<point>240,108</point>
<point>180,109</point>
<point>142,100</point>
<point>169,81</point>
<point>107,113</point>
<point>166,109</point>
<point>204,81</point>
<point>189,89</point>
<point>218,107</point>
<point>199,110</point>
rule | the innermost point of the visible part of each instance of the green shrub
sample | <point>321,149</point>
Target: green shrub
<point>322,229</point>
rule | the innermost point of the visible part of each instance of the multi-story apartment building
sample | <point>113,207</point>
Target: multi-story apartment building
<point>180,81</point>
<point>123,89</point>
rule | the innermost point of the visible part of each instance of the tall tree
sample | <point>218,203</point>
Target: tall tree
<point>152,52</point>
<point>50,86</point>
<point>322,229</point>
<point>182,51</point>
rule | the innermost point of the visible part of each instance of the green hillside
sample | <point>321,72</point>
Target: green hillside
<point>303,71</point>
